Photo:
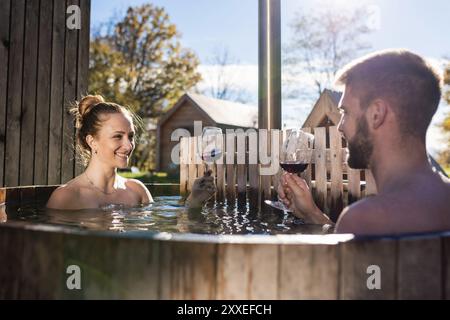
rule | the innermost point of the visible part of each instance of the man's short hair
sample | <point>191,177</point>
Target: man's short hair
<point>404,79</point>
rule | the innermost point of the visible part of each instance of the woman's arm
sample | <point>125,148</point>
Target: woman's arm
<point>202,190</point>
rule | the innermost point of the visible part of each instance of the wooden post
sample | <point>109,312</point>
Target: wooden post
<point>276,178</point>
<point>192,165</point>
<point>275,151</point>
<point>192,271</point>
<point>14,97</point>
<point>83,64</point>
<point>320,167</point>
<point>241,275</point>
<point>241,155</point>
<point>265,148</point>
<point>57,93</point>
<point>201,169</point>
<point>220,195</point>
<point>354,185</point>
<point>184,167</point>
<point>336,191</point>
<point>28,113</point>
<point>230,165</point>
<point>43,94</point>
<point>70,95</point>
<point>253,169</point>
<point>307,173</point>
<point>420,269</point>
<point>5,36</point>
<point>360,260</point>
<point>308,272</point>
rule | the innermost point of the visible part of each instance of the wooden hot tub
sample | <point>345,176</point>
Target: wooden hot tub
<point>35,257</point>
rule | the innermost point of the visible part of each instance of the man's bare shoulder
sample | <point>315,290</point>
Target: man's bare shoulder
<point>362,217</point>
<point>420,206</point>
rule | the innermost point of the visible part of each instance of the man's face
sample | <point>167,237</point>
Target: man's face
<point>354,127</point>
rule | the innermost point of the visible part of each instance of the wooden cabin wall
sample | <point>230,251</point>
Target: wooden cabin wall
<point>43,69</point>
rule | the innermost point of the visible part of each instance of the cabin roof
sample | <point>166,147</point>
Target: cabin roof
<point>220,111</point>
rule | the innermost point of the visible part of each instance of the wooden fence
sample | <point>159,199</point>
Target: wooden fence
<point>43,68</point>
<point>333,184</point>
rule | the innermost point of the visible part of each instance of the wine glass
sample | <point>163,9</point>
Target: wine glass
<point>295,156</point>
<point>210,148</point>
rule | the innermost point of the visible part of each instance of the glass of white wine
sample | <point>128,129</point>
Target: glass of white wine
<point>210,148</point>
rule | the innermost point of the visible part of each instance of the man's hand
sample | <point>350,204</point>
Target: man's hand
<point>202,189</point>
<point>295,194</point>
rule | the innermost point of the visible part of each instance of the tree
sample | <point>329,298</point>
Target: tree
<point>220,76</point>
<point>139,62</point>
<point>444,156</point>
<point>323,41</point>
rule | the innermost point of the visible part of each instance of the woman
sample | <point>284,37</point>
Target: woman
<point>105,135</point>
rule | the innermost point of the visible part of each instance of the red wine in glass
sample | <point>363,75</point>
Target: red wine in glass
<point>293,166</point>
<point>295,155</point>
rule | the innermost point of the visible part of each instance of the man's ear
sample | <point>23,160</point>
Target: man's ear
<point>377,112</point>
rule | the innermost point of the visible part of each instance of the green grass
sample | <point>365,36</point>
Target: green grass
<point>147,177</point>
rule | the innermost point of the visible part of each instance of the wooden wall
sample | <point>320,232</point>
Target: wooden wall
<point>43,68</point>
<point>307,267</point>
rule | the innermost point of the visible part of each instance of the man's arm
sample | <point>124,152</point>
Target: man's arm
<point>295,193</point>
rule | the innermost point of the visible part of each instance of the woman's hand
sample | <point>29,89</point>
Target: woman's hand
<point>295,194</point>
<point>202,189</point>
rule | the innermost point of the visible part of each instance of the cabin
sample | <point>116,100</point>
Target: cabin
<point>325,113</point>
<point>211,112</point>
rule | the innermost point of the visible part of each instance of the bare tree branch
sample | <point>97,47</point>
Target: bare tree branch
<point>223,84</point>
<point>323,41</point>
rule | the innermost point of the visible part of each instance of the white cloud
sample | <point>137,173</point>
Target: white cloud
<point>237,76</point>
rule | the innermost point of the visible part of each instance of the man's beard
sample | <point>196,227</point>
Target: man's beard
<point>360,148</point>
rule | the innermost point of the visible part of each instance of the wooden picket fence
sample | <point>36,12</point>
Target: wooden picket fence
<point>333,184</point>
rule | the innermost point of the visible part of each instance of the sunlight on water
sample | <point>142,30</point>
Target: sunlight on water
<point>167,214</point>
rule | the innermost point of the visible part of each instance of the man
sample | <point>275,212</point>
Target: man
<point>387,105</point>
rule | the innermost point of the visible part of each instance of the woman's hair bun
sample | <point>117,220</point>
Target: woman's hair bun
<point>88,102</point>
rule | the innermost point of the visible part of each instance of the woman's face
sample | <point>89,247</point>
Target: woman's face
<point>115,140</point>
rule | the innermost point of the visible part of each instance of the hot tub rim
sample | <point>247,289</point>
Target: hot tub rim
<point>284,239</point>
<point>295,239</point>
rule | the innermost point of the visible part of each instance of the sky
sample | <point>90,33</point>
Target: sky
<point>209,25</point>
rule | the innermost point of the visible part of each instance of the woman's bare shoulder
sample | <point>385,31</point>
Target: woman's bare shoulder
<point>65,197</point>
<point>138,187</point>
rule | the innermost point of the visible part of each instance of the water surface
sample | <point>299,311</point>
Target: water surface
<point>167,214</point>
